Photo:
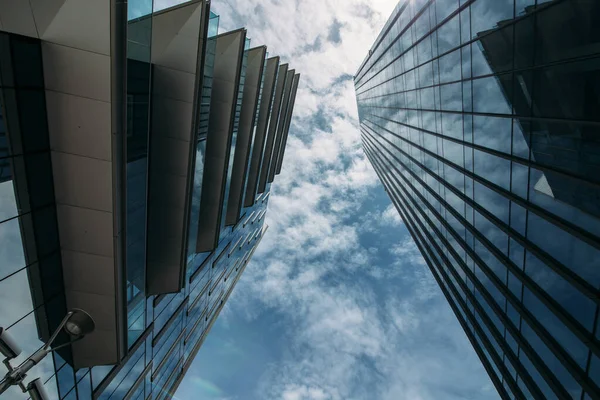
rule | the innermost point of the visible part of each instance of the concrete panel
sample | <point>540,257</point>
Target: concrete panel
<point>97,348</point>
<point>288,122</point>
<point>70,71</point>
<point>178,36</point>
<point>102,305</point>
<point>84,58</point>
<point>17,17</point>
<point>82,181</point>
<point>84,230</point>
<point>88,273</point>
<point>254,73</point>
<point>287,91</point>
<point>273,120</point>
<point>80,24</point>
<point>261,129</point>
<point>78,125</point>
<point>228,63</point>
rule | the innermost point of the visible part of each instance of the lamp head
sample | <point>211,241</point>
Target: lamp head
<point>36,390</point>
<point>79,324</point>
<point>8,347</point>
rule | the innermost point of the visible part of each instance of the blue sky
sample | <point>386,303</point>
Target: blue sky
<point>337,302</point>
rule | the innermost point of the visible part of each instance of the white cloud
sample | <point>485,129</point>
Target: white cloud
<point>355,327</point>
<point>390,216</point>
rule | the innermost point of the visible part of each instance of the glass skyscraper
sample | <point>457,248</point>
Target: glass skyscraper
<point>482,120</point>
<point>137,152</point>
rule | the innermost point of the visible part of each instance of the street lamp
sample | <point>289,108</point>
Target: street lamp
<point>77,323</point>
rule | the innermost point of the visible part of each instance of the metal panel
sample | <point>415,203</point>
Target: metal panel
<point>81,24</point>
<point>264,169</point>
<point>68,70</point>
<point>24,116</point>
<point>178,36</point>
<point>254,72</point>
<point>69,168</point>
<point>84,63</point>
<point>261,129</point>
<point>289,79</point>
<point>288,122</point>
<point>17,17</point>
<point>80,125</point>
<point>228,63</point>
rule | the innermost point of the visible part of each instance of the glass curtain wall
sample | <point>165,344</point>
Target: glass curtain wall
<point>236,122</point>
<point>138,82</point>
<point>195,259</point>
<point>481,119</point>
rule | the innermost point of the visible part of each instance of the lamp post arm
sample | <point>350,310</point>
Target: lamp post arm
<point>16,375</point>
<point>58,329</point>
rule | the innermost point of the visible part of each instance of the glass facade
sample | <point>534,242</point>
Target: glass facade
<point>162,333</point>
<point>481,118</point>
<point>138,83</point>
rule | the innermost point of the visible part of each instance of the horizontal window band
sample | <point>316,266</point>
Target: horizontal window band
<point>231,270</point>
<point>486,363</point>
<point>566,273</point>
<point>378,42</point>
<point>138,382</point>
<point>214,306</point>
<point>195,326</point>
<point>235,246</point>
<point>488,33</point>
<point>446,283</point>
<point>221,255</point>
<point>531,354</point>
<point>578,374</point>
<point>497,153</point>
<point>172,375</point>
<point>245,240</point>
<point>553,219</point>
<point>201,267</point>
<point>240,219</point>
<point>576,328</point>
<point>165,358</point>
<point>560,62</point>
<point>199,296</point>
<point>169,322</point>
<point>490,114</point>
<point>404,30</point>
<point>218,280</point>
<point>111,375</point>
<point>249,217</point>
<point>198,344</point>
<point>157,299</point>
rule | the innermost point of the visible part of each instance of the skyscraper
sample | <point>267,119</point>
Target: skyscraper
<point>482,120</point>
<point>137,152</point>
